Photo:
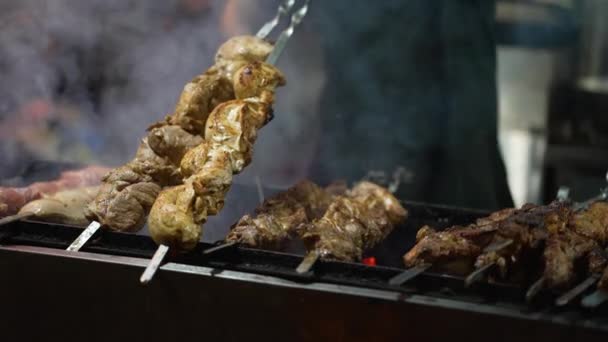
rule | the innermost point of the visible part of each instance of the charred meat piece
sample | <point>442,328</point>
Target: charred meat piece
<point>592,222</point>
<point>132,188</point>
<point>438,247</point>
<point>12,199</point>
<point>563,249</point>
<point>456,243</point>
<point>276,220</point>
<point>597,260</point>
<point>526,229</point>
<point>354,223</point>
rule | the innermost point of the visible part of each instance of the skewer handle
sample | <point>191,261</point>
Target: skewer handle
<point>296,19</point>
<point>282,10</point>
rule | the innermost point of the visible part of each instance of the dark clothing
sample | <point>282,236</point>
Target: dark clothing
<point>412,84</point>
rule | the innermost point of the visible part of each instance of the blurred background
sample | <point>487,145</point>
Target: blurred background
<point>81,80</point>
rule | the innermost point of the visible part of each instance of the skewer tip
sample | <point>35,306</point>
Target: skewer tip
<point>219,247</point>
<point>154,264</point>
<point>534,289</point>
<point>84,237</point>
<point>477,275</point>
<point>308,262</point>
<point>408,274</point>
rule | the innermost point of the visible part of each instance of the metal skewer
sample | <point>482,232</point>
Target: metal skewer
<point>154,264</point>
<point>562,195</point>
<point>408,274</point>
<point>279,46</point>
<point>84,237</point>
<point>258,183</point>
<point>595,299</point>
<point>603,196</point>
<point>577,290</point>
<point>296,19</point>
<point>583,286</point>
<point>479,273</point>
<point>534,289</point>
<point>283,10</point>
<point>16,217</point>
<point>308,262</point>
<point>219,247</point>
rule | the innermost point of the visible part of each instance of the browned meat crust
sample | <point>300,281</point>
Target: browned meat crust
<point>354,223</point>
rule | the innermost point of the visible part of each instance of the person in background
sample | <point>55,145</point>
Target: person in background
<point>403,93</point>
<point>409,94</point>
<point>411,85</point>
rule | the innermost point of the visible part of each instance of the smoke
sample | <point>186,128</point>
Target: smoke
<point>82,80</point>
<point>107,69</point>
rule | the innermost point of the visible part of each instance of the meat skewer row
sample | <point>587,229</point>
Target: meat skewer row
<point>353,223</point>
<point>13,199</point>
<point>523,234</point>
<point>456,248</point>
<point>579,241</point>
<point>277,219</point>
<point>565,236</point>
<point>128,192</point>
<point>592,223</point>
<point>178,212</point>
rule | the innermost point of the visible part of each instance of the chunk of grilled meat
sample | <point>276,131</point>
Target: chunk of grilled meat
<point>127,192</point>
<point>231,131</point>
<point>563,249</point>
<point>456,243</point>
<point>592,222</point>
<point>66,207</point>
<point>354,223</point>
<point>132,188</point>
<point>565,238</point>
<point>276,220</point>
<point>527,230</point>
<point>597,261</point>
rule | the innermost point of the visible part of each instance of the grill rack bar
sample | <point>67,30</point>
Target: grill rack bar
<point>283,265</point>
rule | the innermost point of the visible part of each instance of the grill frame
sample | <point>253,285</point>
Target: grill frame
<point>433,291</point>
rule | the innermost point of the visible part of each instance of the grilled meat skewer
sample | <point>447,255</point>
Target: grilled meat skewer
<point>231,130</point>
<point>276,220</point>
<point>353,223</point>
<point>128,192</point>
<point>567,237</point>
<point>13,199</point>
<point>457,246</point>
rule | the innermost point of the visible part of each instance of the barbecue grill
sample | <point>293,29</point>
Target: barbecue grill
<point>244,293</point>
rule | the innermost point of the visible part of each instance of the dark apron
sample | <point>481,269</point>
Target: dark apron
<point>411,84</point>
